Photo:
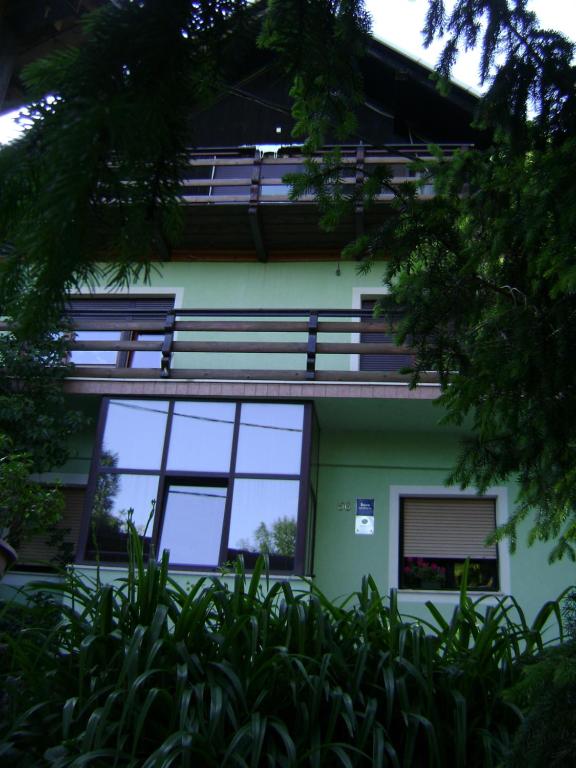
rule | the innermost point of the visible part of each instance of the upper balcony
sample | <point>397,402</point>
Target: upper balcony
<point>237,201</point>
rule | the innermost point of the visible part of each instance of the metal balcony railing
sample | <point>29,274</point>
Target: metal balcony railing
<point>238,344</point>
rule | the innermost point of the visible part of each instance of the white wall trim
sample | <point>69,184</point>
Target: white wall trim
<point>499,493</point>
<point>136,291</point>
<point>359,293</point>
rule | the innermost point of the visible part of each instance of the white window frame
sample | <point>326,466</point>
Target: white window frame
<point>397,493</point>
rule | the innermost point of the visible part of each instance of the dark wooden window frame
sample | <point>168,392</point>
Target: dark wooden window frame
<point>167,477</point>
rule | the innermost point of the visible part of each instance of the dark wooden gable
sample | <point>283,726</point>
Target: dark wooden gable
<point>401,106</point>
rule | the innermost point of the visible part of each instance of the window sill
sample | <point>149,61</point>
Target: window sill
<point>451,597</point>
<point>188,572</point>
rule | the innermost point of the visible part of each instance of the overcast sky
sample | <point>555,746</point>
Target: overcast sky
<point>400,22</point>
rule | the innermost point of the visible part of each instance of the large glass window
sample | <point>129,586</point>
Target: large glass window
<point>209,481</point>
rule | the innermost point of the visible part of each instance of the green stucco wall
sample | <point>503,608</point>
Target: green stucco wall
<point>366,446</point>
<point>364,464</point>
<point>248,285</point>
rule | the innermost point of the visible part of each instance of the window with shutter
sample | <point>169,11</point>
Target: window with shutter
<point>384,362</point>
<point>438,536</point>
<point>58,546</point>
<point>118,309</point>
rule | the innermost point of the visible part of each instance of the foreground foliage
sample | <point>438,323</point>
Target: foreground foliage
<point>145,673</point>
<point>36,424</point>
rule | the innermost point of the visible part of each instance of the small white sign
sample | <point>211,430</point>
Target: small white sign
<point>364,525</point>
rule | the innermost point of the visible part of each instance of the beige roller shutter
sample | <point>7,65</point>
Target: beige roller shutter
<point>39,551</point>
<point>449,528</point>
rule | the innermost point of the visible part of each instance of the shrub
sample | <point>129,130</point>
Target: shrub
<point>144,673</point>
<point>547,693</point>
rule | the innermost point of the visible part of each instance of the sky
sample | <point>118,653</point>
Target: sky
<point>399,22</point>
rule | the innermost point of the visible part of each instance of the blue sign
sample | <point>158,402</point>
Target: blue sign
<point>365,507</point>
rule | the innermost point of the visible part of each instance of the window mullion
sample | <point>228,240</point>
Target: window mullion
<point>161,498</point>
<point>229,495</point>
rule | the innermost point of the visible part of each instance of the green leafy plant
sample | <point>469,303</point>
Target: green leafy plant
<point>243,671</point>
<point>35,426</point>
<point>547,692</point>
<point>26,508</point>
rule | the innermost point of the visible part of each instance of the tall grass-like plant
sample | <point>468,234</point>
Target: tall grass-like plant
<point>251,673</point>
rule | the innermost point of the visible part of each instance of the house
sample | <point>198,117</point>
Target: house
<point>246,400</point>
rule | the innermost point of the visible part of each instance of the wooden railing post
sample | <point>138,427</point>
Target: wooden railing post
<point>167,345</point>
<point>359,182</point>
<point>254,210</point>
<point>311,345</point>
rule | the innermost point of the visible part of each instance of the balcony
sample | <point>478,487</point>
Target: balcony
<point>281,346</point>
<point>237,202</point>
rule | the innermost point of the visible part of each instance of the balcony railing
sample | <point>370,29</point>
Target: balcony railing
<point>231,344</point>
<point>249,176</point>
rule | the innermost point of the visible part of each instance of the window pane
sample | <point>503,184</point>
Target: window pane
<point>201,437</point>
<point>264,515</point>
<point>134,434</point>
<point>84,357</point>
<point>270,439</point>
<point>115,495</point>
<point>192,528</point>
<point>232,172</point>
<point>144,359</point>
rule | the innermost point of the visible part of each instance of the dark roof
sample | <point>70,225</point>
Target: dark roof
<point>402,104</point>
<point>31,29</point>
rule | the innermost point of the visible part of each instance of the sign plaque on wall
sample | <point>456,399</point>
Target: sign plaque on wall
<point>364,517</point>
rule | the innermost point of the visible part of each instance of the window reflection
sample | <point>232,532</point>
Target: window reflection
<point>101,357</point>
<point>270,440</point>
<point>192,528</point>
<point>117,499</point>
<point>264,516</point>
<point>134,434</point>
<point>201,437</point>
<point>201,481</point>
<point>143,358</point>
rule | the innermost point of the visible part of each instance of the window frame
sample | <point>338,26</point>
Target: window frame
<point>397,493</point>
<point>382,363</point>
<point>169,477</point>
<point>127,305</point>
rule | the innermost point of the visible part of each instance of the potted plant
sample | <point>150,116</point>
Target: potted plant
<point>423,574</point>
<point>26,508</point>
